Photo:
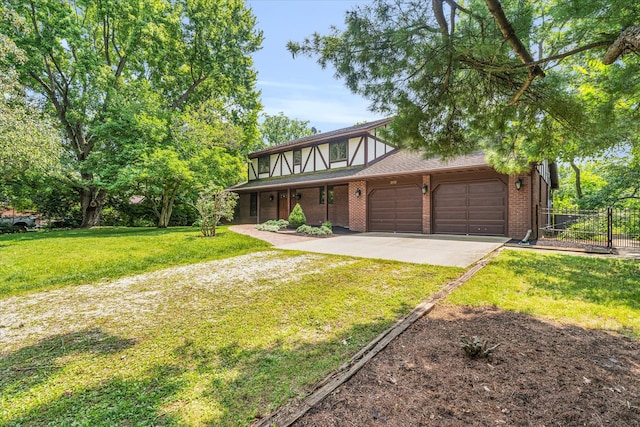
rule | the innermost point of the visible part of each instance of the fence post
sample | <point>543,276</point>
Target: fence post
<point>609,228</point>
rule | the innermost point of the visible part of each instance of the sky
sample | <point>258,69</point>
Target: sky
<point>299,87</point>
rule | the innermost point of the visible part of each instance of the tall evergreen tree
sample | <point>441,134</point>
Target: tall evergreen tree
<point>522,80</point>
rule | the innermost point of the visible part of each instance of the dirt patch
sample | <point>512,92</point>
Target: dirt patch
<point>542,374</point>
<point>133,301</point>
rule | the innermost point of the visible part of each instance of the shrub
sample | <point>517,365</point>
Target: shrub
<point>328,225</point>
<point>7,228</point>
<point>213,205</point>
<point>297,217</point>
<point>273,225</point>
<point>314,231</point>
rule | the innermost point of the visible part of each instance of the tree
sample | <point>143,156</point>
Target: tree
<point>297,216</point>
<point>29,145</point>
<point>459,78</point>
<point>214,204</point>
<point>99,66</point>
<point>280,128</point>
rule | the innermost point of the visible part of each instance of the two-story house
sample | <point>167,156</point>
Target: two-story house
<point>356,180</point>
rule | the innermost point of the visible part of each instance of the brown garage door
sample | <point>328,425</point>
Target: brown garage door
<point>396,209</point>
<point>478,207</point>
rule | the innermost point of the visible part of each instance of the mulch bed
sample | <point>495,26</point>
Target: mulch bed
<point>542,374</point>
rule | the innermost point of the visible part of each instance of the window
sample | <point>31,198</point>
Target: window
<point>253,204</point>
<point>338,151</point>
<point>297,157</point>
<point>322,195</point>
<point>263,164</point>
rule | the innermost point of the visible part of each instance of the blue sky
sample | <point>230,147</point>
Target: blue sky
<point>299,87</point>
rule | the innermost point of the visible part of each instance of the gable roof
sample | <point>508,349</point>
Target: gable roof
<point>407,162</point>
<point>356,130</point>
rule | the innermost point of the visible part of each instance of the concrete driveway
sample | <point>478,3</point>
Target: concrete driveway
<point>456,251</point>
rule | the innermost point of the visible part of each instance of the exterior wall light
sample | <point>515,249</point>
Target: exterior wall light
<point>271,197</point>
<point>299,196</point>
<point>518,184</point>
<point>358,192</point>
<point>425,188</point>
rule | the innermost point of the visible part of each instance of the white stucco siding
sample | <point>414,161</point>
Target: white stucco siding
<point>356,151</point>
<point>253,169</point>
<point>322,153</point>
<point>286,165</point>
<point>307,160</point>
<point>274,165</point>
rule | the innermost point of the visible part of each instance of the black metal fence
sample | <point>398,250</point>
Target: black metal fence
<point>609,228</point>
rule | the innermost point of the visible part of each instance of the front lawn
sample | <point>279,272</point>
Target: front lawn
<point>592,292</point>
<point>44,260</point>
<point>217,343</point>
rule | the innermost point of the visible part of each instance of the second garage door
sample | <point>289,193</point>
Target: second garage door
<point>478,207</point>
<point>395,209</point>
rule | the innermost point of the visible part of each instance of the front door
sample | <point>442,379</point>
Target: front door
<point>283,211</point>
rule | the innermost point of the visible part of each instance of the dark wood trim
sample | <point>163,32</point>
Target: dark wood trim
<point>324,162</point>
<point>303,169</point>
<point>326,202</point>
<point>258,207</point>
<point>274,166</point>
<point>366,150</point>
<point>355,152</point>
<point>287,162</point>
<point>313,150</point>
<point>255,173</point>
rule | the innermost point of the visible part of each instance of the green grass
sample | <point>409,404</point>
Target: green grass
<point>212,355</point>
<point>36,261</point>
<point>601,293</point>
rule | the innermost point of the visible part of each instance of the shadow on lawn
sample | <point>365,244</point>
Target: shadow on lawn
<point>270,377</point>
<point>606,281</point>
<point>33,365</point>
<point>133,401</point>
<point>247,382</point>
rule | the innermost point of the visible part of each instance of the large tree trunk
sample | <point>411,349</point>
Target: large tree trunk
<point>576,170</point>
<point>628,41</point>
<point>168,199</point>
<point>91,202</point>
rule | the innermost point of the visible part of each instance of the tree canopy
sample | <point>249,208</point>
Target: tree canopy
<point>120,77</point>
<point>276,129</point>
<point>521,80</point>
<point>28,142</point>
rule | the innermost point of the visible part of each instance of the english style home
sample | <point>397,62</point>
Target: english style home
<point>356,180</point>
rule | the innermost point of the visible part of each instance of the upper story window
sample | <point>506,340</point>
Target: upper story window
<point>338,151</point>
<point>297,157</point>
<point>263,164</point>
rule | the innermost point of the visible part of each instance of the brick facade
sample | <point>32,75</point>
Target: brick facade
<point>358,206</point>
<point>519,206</point>
<point>268,205</point>
<point>349,210</point>
<point>426,205</point>
<point>338,211</point>
<point>310,204</point>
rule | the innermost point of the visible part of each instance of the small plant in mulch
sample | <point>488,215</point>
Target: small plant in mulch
<point>476,348</point>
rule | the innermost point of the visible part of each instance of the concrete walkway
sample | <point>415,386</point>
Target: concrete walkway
<point>456,251</point>
<point>435,249</point>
